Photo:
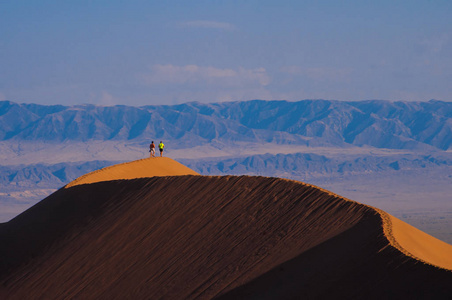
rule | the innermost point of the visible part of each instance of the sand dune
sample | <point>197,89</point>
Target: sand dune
<point>148,167</point>
<point>417,243</point>
<point>178,237</point>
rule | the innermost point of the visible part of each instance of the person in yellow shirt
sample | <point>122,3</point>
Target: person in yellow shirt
<point>161,146</point>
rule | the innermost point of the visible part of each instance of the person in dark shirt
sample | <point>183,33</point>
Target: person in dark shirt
<point>152,149</point>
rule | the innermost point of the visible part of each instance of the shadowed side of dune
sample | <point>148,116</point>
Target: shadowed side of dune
<point>204,237</point>
<point>356,264</point>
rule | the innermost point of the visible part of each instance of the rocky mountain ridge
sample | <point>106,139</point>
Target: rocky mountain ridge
<point>380,124</point>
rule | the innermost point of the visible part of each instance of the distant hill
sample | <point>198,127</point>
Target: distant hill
<point>54,176</point>
<point>309,165</point>
<point>381,124</point>
<point>303,165</point>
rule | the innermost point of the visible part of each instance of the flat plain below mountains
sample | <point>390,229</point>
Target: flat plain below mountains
<point>393,155</point>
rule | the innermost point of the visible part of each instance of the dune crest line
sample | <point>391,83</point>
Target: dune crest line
<point>142,168</point>
<point>407,239</point>
<point>416,243</point>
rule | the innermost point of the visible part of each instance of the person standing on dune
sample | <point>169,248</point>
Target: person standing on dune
<point>161,146</point>
<point>152,149</point>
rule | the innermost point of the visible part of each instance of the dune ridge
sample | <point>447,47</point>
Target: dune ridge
<point>408,239</point>
<point>146,167</point>
<point>416,243</point>
<point>228,237</point>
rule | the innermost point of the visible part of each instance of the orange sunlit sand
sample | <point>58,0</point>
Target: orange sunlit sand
<point>148,167</point>
<point>418,244</point>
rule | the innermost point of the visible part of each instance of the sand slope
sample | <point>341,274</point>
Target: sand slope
<point>148,167</point>
<point>416,243</point>
<point>184,237</point>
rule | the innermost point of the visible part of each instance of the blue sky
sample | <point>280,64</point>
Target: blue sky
<point>169,52</point>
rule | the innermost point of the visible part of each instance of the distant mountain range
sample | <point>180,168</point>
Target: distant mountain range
<point>380,124</point>
<point>47,176</point>
<point>309,165</point>
<point>299,165</point>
